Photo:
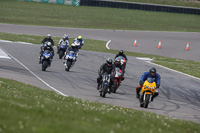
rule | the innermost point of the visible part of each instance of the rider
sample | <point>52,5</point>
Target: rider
<point>72,48</point>
<point>44,42</point>
<point>121,53</point>
<point>108,68</point>
<point>80,40</point>
<point>118,64</point>
<point>64,39</point>
<point>152,73</point>
<point>48,39</point>
<point>46,46</point>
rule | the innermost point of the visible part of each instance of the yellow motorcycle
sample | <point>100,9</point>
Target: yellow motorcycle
<point>148,90</point>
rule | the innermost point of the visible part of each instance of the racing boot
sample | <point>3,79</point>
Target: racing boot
<point>98,86</point>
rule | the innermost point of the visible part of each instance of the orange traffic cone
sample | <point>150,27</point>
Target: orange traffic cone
<point>159,44</point>
<point>187,46</point>
<point>135,42</point>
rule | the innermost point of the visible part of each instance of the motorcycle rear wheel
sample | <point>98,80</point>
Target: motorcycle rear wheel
<point>61,53</point>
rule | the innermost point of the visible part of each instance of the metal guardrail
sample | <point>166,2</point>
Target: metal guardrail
<point>141,6</point>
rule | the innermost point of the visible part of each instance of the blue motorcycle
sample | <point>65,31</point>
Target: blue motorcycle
<point>69,60</point>
<point>105,83</point>
<point>61,49</point>
<point>46,59</point>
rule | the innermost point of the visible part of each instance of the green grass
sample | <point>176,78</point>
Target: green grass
<point>44,14</point>
<point>185,66</point>
<point>27,109</point>
<point>191,3</point>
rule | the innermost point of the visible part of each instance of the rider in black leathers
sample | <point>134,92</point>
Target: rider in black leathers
<point>46,46</point>
<point>108,68</point>
<point>121,53</point>
<point>44,42</point>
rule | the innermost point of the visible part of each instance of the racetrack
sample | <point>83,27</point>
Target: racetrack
<point>173,44</point>
<point>179,94</point>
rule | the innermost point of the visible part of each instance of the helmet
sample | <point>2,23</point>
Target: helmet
<point>73,45</point>
<point>65,36</point>
<point>121,52</point>
<point>49,44</point>
<point>117,61</point>
<point>49,35</point>
<point>79,37</point>
<point>152,71</point>
<point>109,61</point>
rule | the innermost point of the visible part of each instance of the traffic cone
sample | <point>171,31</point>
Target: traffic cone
<point>159,44</point>
<point>187,46</point>
<point>135,43</point>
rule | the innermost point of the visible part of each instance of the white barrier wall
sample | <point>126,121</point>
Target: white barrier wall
<point>66,2</point>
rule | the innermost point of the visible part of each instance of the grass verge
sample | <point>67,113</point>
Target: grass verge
<point>28,109</point>
<point>185,66</point>
<point>44,14</point>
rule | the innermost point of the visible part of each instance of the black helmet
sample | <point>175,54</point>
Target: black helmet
<point>121,52</point>
<point>152,71</point>
<point>109,61</point>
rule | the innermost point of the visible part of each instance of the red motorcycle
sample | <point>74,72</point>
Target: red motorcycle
<point>117,79</point>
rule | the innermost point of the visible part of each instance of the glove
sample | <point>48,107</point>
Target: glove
<point>141,83</point>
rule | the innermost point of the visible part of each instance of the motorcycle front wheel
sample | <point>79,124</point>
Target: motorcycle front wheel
<point>104,91</point>
<point>146,103</point>
<point>115,86</point>
<point>44,65</point>
<point>69,63</point>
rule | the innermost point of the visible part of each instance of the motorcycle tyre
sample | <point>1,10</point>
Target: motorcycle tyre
<point>146,103</point>
<point>44,65</point>
<point>61,54</point>
<point>69,63</point>
<point>104,91</point>
<point>115,86</point>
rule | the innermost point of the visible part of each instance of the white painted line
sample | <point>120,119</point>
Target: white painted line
<point>107,44</point>
<point>3,54</point>
<point>5,41</point>
<point>36,75</point>
<point>24,43</point>
<point>145,59</point>
<point>174,70</point>
<point>16,42</point>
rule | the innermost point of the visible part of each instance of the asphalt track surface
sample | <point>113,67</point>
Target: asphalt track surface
<point>173,44</point>
<point>179,94</point>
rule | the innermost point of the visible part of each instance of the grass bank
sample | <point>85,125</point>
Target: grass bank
<point>44,14</point>
<point>186,66</point>
<point>28,109</point>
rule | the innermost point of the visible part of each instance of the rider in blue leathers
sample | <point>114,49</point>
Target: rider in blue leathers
<point>79,39</point>
<point>152,73</point>
<point>72,48</point>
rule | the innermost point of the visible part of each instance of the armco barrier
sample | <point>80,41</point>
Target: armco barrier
<point>140,6</point>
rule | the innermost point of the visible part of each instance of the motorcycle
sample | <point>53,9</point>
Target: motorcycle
<point>148,90</point>
<point>117,79</point>
<point>46,59</point>
<point>105,82</point>
<point>69,60</point>
<point>62,48</point>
